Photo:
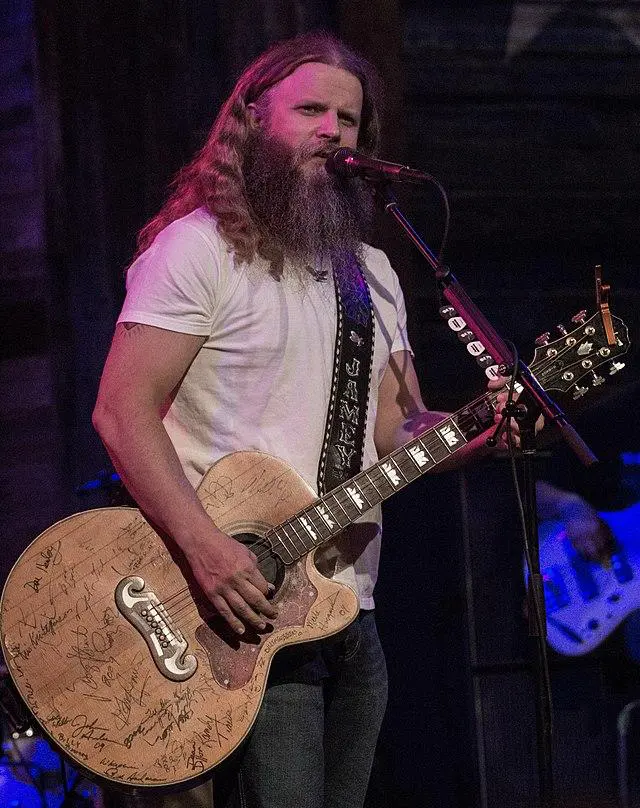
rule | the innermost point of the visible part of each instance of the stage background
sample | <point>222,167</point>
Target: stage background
<point>529,114</point>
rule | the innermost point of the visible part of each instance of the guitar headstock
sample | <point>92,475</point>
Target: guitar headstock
<point>583,358</point>
<point>574,362</point>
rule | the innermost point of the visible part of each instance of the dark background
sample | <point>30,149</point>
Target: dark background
<point>529,114</point>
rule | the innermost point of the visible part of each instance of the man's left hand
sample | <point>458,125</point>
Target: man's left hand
<point>510,434</point>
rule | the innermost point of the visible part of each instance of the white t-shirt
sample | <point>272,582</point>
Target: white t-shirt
<point>262,379</point>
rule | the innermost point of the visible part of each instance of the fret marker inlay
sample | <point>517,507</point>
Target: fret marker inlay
<point>450,435</point>
<point>327,519</point>
<point>309,527</point>
<point>418,455</point>
<point>356,497</point>
<point>391,474</point>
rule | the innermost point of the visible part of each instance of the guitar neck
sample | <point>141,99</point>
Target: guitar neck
<point>339,508</point>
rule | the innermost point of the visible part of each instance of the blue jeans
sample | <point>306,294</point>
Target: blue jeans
<point>313,741</point>
<point>314,738</point>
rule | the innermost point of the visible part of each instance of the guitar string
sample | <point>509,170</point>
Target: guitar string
<point>465,418</point>
<point>180,601</point>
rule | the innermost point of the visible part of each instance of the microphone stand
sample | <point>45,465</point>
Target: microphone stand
<point>532,401</point>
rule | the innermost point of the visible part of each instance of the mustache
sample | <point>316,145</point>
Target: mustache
<point>304,153</point>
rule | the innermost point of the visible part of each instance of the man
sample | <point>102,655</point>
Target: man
<point>226,342</point>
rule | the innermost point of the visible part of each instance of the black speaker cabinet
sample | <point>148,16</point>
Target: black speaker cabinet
<point>500,670</point>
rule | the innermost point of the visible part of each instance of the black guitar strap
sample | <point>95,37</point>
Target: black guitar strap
<point>343,446</point>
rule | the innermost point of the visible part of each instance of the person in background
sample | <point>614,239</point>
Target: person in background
<point>584,527</point>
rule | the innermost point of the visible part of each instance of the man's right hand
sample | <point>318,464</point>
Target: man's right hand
<point>228,573</point>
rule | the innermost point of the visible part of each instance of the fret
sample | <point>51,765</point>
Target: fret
<point>368,489</point>
<point>475,418</point>
<point>468,423</point>
<point>291,548</point>
<point>292,525</point>
<point>345,512</point>
<point>357,495</point>
<point>405,465</point>
<point>319,524</point>
<point>307,523</point>
<point>382,481</point>
<point>347,504</point>
<point>327,516</point>
<point>367,474</point>
<point>287,556</point>
<point>394,471</point>
<point>435,447</point>
<point>484,410</point>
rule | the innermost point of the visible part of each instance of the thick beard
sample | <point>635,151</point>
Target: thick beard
<point>304,221</point>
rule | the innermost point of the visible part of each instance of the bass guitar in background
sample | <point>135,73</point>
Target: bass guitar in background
<point>587,597</point>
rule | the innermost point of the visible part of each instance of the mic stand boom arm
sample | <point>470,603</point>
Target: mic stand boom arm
<point>457,297</point>
<point>536,401</point>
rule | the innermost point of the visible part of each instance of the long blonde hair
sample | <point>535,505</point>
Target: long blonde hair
<point>214,179</point>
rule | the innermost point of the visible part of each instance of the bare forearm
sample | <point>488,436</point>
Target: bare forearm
<point>403,416</point>
<point>422,421</point>
<point>147,462</point>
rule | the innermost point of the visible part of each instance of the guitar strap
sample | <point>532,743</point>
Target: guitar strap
<point>343,446</point>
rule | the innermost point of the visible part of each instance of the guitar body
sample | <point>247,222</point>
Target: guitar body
<point>586,600</point>
<point>115,651</point>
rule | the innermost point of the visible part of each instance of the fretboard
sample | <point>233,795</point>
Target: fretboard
<point>336,510</point>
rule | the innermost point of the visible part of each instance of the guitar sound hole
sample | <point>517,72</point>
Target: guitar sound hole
<point>269,564</point>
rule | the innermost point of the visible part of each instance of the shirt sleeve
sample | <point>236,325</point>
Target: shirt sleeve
<point>172,284</point>
<point>388,301</point>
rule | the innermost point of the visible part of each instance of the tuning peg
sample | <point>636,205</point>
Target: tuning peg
<point>580,317</point>
<point>563,331</point>
<point>543,339</point>
<point>614,367</point>
<point>596,380</point>
<point>579,392</point>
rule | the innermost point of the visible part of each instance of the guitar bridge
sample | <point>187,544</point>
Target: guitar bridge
<point>143,609</point>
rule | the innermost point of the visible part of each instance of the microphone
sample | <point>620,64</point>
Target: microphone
<point>348,163</point>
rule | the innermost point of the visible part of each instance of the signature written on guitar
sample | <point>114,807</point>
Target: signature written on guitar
<point>50,557</point>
